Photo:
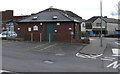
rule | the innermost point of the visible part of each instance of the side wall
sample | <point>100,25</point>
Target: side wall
<point>62,31</point>
<point>111,27</point>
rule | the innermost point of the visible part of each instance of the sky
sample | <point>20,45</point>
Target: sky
<point>84,8</point>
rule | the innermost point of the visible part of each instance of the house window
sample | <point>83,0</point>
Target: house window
<point>58,23</point>
<point>34,18</point>
<point>55,17</point>
<point>83,25</point>
<point>35,28</point>
<point>98,24</point>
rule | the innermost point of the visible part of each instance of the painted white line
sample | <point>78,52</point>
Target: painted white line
<point>116,55</point>
<point>109,58</point>
<point>116,51</point>
<point>49,62</point>
<point>88,56</point>
<point>115,65</point>
<point>60,54</point>
<point>1,71</point>
<point>78,55</point>
<point>117,43</point>
<point>106,59</point>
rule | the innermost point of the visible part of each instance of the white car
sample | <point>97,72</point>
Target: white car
<point>8,34</point>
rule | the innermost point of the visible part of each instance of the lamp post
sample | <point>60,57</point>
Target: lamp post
<point>101,23</point>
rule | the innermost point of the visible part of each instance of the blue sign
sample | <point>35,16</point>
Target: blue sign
<point>117,32</point>
<point>91,33</point>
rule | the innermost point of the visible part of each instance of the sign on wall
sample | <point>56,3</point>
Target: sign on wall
<point>35,28</point>
<point>29,28</point>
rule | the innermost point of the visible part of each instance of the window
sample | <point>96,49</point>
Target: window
<point>98,24</point>
<point>55,17</point>
<point>34,18</point>
<point>83,25</point>
<point>35,28</point>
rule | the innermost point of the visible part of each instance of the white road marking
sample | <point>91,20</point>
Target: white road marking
<point>115,65</point>
<point>117,43</point>
<point>116,55</point>
<point>108,58</point>
<point>47,61</point>
<point>1,71</point>
<point>116,51</point>
<point>60,54</point>
<point>88,56</point>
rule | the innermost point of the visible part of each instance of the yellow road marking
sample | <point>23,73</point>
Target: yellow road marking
<point>40,45</point>
<point>48,46</point>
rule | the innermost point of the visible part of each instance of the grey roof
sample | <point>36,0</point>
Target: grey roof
<point>92,19</point>
<point>48,14</point>
<point>108,20</point>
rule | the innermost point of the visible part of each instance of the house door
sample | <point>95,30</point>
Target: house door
<point>48,32</point>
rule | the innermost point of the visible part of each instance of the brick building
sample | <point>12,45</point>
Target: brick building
<point>51,24</point>
<point>8,20</point>
<point>6,17</point>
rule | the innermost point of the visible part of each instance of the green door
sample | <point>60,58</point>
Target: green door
<point>48,32</point>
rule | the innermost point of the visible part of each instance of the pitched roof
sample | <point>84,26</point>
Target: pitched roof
<point>108,20</point>
<point>92,19</point>
<point>49,14</point>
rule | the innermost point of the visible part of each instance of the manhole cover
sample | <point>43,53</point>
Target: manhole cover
<point>48,61</point>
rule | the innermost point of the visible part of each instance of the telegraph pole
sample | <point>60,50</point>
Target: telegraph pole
<point>101,23</point>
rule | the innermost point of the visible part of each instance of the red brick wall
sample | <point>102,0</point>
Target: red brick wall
<point>62,34</point>
<point>23,32</point>
<point>7,15</point>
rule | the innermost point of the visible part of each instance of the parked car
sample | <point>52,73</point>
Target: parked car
<point>9,34</point>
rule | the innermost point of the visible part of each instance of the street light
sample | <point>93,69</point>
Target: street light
<point>101,22</point>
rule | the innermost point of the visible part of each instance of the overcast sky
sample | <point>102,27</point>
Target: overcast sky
<point>84,8</point>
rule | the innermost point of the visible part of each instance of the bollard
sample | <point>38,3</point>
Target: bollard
<point>49,38</point>
<point>31,37</point>
<point>40,37</point>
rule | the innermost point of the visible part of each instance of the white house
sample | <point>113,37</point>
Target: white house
<point>109,25</point>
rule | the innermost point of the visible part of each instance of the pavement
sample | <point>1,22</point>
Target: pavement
<point>94,48</point>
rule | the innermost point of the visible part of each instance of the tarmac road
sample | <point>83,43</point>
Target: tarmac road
<point>35,57</point>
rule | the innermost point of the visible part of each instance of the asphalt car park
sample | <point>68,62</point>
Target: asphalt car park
<point>45,47</point>
<point>26,56</point>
